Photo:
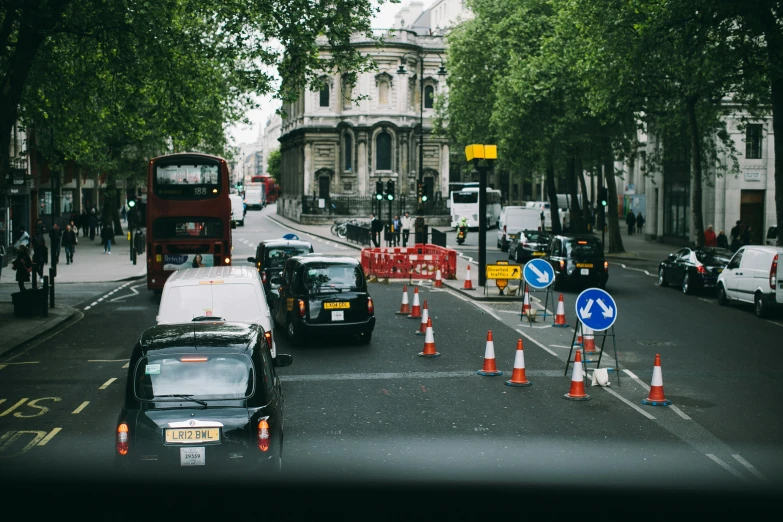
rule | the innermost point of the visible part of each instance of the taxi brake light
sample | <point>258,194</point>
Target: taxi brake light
<point>606,265</point>
<point>263,435</point>
<point>581,242</point>
<point>370,306</point>
<point>122,439</point>
<point>193,359</point>
<point>301,308</point>
<point>700,269</point>
<point>562,265</point>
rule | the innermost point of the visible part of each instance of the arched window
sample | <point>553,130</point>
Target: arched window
<point>325,96</point>
<point>383,93</point>
<point>429,96</point>
<point>383,149</point>
<point>348,151</point>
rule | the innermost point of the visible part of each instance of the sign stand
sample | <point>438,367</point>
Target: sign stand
<point>596,310</point>
<point>547,293</point>
<point>603,335</point>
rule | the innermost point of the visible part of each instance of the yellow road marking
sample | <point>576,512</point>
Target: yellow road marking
<point>107,383</point>
<point>50,436</point>
<point>80,408</point>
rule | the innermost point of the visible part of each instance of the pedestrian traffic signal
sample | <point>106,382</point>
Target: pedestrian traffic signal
<point>379,190</point>
<point>390,190</point>
<point>603,196</point>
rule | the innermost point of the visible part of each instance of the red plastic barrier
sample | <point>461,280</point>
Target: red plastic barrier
<point>422,261</point>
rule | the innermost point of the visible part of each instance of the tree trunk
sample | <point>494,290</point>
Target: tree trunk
<point>585,196</point>
<point>613,221</point>
<point>552,193</point>
<point>697,234</point>
<point>575,213</point>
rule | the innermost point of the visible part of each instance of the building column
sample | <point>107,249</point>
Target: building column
<point>308,175</point>
<point>445,168</point>
<point>361,162</point>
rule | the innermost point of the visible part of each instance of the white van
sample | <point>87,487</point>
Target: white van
<point>233,293</point>
<point>752,277</point>
<point>237,209</point>
<point>513,220</point>
<point>544,205</point>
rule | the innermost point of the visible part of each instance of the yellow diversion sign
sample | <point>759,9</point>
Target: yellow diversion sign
<point>504,272</point>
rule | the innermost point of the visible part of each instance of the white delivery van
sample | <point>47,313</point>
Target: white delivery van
<point>752,277</point>
<point>254,196</point>
<point>513,220</point>
<point>232,293</point>
<point>544,206</point>
<point>237,209</point>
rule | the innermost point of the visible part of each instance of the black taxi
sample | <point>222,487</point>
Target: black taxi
<point>201,398</point>
<point>270,258</point>
<point>322,294</point>
<point>578,259</point>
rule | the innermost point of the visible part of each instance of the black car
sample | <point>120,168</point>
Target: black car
<point>201,398</point>
<point>270,257</point>
<point>324,295</point>
<point>578,258</point>
<point>693,269</point>
<point>528,244</point>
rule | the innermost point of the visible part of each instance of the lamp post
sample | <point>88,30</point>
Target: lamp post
<point>489,153</point>
<point>420,54</point>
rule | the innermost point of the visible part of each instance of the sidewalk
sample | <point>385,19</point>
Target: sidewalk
<point>18,330</point>
<point>639,249</point>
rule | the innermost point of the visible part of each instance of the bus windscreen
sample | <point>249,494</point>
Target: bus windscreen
<point>465,197</point>
<point>196,181</point>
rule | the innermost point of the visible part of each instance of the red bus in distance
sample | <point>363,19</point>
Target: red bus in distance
<point>188,215</point>
<point>272,188</point>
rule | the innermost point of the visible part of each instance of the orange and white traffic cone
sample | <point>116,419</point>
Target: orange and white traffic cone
<point>416,310</point>
<point>577,390</point>
<point>489,369</point>
<point>656,397</point>
<point>560,318</point>
<point>438,280</point>
<point>405,308</point>
<point>526,303</point>
<point>518,377</point>
<point>425,316</point>
<point>588,340</point>
<point>468,283</point>
<point>579,338</point>
<point>429,343</point>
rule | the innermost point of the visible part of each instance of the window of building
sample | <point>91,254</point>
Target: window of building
<point>324,99</point>
<point>347,95</point>
<point>676,201</point>
<point>383,151</point>
<point>67,201</point>
<point>429,96</point>
<point>753,138</point>
<point>348,152</point>
<point>383,93</point>
<point>46,203</point>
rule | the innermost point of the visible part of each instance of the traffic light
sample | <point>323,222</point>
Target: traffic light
<point>603,196</point>
<point>379,190</point>
<point>131,201</point>
<point>390,190</point>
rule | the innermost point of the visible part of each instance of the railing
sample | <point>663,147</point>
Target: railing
<point>438,238</point>
<point>358,234</point>
<point>366,205</point>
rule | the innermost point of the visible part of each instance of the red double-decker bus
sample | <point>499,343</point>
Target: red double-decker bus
<point>272,190</point>
<point>188,215</point>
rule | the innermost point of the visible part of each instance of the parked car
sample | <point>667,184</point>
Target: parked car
<point>324,295</point>
<point>578,258</point>
<point>751,276</point>
<point>693,269</point>
<point>515,219</point>
<point>270,258</point>
<point>527,245</point>
<point>201,397</point>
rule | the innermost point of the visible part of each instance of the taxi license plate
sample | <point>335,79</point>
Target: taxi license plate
<point>584,271</point>
<point>584,265</point>
<point>539,253</point>
<point>333,306</point>
<point>338,316</point>
<point>192,435</point>
<point>192,456</point>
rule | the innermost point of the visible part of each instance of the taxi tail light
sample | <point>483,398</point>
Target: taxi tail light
<point>268,337</point>
<point>122,439</point>
<point>562,265</point>
<point>263,277</point>
<point>263,435</point>
<point>606,266</point>
<point>301,308</point>
<point>701,269</point>
<point>773,272</point>
<point>370,306</point>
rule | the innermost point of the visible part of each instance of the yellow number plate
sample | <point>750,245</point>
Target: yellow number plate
<point>584,265</point>
<point>336,306</point>
<point>539,253</point>
<point>192,435</point>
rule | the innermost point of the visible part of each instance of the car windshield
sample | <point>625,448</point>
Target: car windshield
<point>232,302</point>
<point>277,256</point>
<point>536,237</point>
<point>714,257</point>
<point>583,247</point>
<point>194,375</point>
<point>333,277</point>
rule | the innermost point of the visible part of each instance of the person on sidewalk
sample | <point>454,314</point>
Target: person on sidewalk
<point>124,215</point>
<point>710,239</point>
<point>107,234</point>
<point>723,240</point>
<point>407,224</point>
<point>397,230</point>
<point>70,240</point>
<point>93,223</point>
<point>375,229</point>
<point>40,252</point>
<point>736,236</point>
<point>84,223</point>
<point>630,220</point>
<point>23,266</point>
<point>55,239</point>
<point>639,222</point>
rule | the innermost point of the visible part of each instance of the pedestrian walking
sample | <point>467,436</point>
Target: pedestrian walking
<point>736,236</point>
<point>23,266</point>
<point>396,230</point>
<point>723,240</point>
<point>407,223</point>
<point>124,215</point>
<point>107,234</point>
<point>55,239</point>
<point>747,235</point>
<point>639,222</point>
<point>40,252</point>
<point>70,240</point>
<point>710,239</point>
<point>375,228</point>
<point>83,222</point>
<point>93,223</point>
<point>630,220</point>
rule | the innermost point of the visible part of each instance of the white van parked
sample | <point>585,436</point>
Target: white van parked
<point>544,206</point>
<point>232,293</point>
<point>514,220</point>
<point>752,277</point>
<point>237,209</point>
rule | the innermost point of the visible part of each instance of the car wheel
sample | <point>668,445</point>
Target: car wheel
<point>511,255</point>
<point>723,300</point>
<point>686,285</point>
<point>661,278</point>
<point>505,246</point>
<point>759,306</point>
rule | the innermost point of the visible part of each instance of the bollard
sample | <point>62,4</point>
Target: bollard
<point>35,276</point>
<point>45,297</point>
<point>133,254</point>
<point>52,277</point>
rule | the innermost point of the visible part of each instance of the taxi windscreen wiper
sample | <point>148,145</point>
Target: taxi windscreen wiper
<point>186,397</point>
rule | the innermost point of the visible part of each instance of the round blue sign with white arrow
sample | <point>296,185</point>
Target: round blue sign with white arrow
<point>291,237</point>
<point>596,309</point>
<point>538,273</point>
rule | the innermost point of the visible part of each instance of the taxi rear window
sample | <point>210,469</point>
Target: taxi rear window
<point>201,376</point>
<point>584,247</point>
<point>277,256</point>
<point>325,278</point>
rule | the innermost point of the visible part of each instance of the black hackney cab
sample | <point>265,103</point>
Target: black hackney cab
<point>270,258</point>
<point>202,396</point>
<point>324,295</point>
<point>578,258</point>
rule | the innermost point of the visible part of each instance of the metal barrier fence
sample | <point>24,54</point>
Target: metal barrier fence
<point>366,205</point>
<point>438,238</point>
<point>358,234</point>
<point>422,261</point>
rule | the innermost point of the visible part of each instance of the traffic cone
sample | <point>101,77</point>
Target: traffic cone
<point>577,390</point>
<point>416,311</point>
<point>656,397</point>
<point>588,341</point>
<point>425,315</point>
<point>468,283</point>
<point>560,318</point>
<point>579,339</point>
<point>489,368</point>
<point>438,280</point>
<point>429,343</point>
<point>518,377</point>
<point>526,303</point>
<point>405,309</point>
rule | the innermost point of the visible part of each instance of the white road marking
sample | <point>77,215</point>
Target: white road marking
<point>125,296</point>
<point>644,385</point>
<point>87,307</point>
<point>775,323</point>
<point>106,360</point>
<point>629,403</point>
<point>636,269</point>
<point>750,467</point>
<point>107,383</point>
<point>126,364</point>
<point>725,466</point>
<point>80,408</point>
<point>559,346</point>
<point>711,301</point>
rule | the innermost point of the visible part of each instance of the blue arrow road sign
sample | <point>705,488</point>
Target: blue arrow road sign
<point>538,273</point>
<point>291,237</point>
<point>596,309</point>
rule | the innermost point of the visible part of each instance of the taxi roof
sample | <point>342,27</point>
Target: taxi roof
<point>227,337</point>
<point>315,257</point>
<point>286,242</point>
<point>226,274</point>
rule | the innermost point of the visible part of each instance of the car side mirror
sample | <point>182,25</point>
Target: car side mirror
<point>251,259</point>
<point>283,359</point>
